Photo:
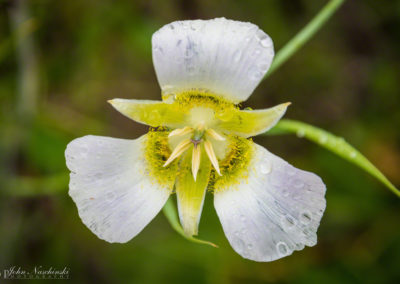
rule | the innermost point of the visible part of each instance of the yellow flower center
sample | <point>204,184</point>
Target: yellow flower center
<point>228,153</point>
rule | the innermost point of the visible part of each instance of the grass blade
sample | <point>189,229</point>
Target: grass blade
<point>334,144</point>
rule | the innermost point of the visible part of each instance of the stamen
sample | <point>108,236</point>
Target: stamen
<point>211,155</point>
<point>212,133</point>
<point>182,147</point>
<point>196,160</point>
<point>181,131</point>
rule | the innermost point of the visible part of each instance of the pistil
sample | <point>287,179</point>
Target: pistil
<point>200,137</point>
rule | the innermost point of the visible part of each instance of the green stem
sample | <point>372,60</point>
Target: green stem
<point>333,143</point>
<point>304,35</point>
<point>172,217</point>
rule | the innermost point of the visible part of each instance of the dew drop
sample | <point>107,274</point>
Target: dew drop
<point>237,55</point>
<point>195,25</point>
<point>249,246</point>
<point>172,27</point>
<point>256,52</point>
<point>298,184</point>
<point>243,231</point>
<point>110,196</point>
<point>123,214</point>
<point>189,52</point>
<point>264,65</point>
<point>285,193</point>
<point>288,222</point>
<point>300,133</point>
<point>158,50</point>
<point>237,233</point>
<point>255,74</point>
<point>266,42</point>
<point>88,178</point>
<point>291,171</point>
<point>305,217</point>
<point>282,248</point>
<point>353,155</point>
<point>323,139</point>
<point>278,178</point>
<point>265,167</point>
<point>242,218</point>
<point>296,197</point>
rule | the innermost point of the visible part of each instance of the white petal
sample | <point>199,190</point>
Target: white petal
<point>227,57</point>
<point>275,211</point>
<point>115,197</point>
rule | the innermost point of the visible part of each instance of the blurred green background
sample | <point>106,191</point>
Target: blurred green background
<point>60,61</point>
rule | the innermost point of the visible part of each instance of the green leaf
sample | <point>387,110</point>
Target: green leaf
<point>172,217</point>
<point>333,143</point>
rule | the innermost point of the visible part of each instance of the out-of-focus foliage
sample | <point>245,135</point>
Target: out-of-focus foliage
<point>78,54</point>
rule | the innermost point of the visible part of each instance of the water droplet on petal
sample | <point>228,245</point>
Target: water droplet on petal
<point>242,218</point>
<point>237,233</point>
<point>110,196</point>
<point>249,246</point>
<point>123,213</point>
<point>298,183</point>
<point>285,193</point>
<point>265,167</point>
<point>265,40</point>
<point>278,178</point>
<point>256,52</point>
<point>264,65</point>
<point>255,74</point>
<point>282,248</point>
<point>237,55</point>
<point>288,222</point>
<point>305,217</point>
<point>189,52</point>
<point>291,171</point>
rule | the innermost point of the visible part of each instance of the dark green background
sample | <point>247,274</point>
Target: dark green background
<point>54,89</point>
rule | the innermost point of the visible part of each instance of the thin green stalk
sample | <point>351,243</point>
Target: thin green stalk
<point>172,217</point>
<point>304,35</point>
<point>332,143</point>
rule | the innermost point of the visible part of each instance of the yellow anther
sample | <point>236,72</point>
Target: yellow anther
<point>181,131</point>
<point>211,155</point>
<point>213,134</point>
<point>182,147</point>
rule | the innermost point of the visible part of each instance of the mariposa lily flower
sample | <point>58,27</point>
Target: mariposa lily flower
<point>199,141</point>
